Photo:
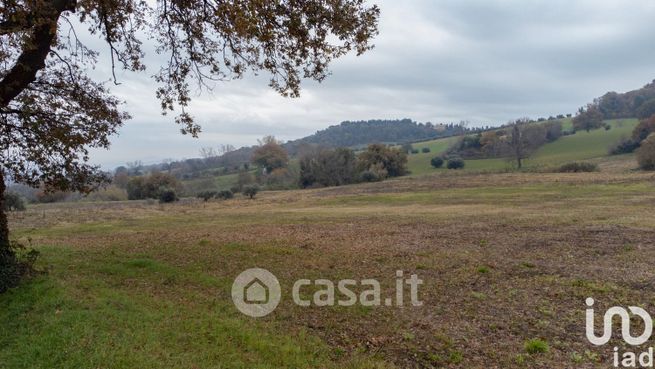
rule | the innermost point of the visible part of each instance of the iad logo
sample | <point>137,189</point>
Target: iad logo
<point>627,359</point>
<point>625,325</point>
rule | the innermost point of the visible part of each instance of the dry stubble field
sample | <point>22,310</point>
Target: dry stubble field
<point>506,258</point>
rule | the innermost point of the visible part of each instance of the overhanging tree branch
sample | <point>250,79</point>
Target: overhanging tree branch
<point>35,52</point>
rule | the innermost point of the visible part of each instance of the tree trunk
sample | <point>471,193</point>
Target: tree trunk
<point>4,228</point>
<point>31,60</point>
<point>33,56</point>
<point>9,274</point>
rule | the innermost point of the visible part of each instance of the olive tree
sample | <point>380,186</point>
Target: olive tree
<point>52,112</point>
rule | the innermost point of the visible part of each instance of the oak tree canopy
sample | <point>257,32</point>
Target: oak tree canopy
<point>52,112</point>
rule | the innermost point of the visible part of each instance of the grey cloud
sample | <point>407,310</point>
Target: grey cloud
<point>450,60</point>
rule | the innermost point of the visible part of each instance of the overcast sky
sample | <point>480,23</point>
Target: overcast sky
<point>441,61</point>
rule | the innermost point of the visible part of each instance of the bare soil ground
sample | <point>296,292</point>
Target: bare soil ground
<point>505,258</point>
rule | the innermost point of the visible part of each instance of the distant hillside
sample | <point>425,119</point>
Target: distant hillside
<point>637,103</point>
<point>352,134</point>
<point>346,134</point>
<point>581,146</point>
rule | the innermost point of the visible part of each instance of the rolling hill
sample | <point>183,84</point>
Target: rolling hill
<point>580,146</point>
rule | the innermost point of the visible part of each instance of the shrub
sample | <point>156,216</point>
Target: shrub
<point>437,162</point>
<point>270,155</point>
<point>578,167</point>
<point>625,146</point>
<point>553,131</point>
<point>369,176</point>
<point>13,202</point>
<point>235,189</point>
<point>415,151</point>
<point>647,109</point>
<point>455,163</point>
<point>536,346</point>
<point>251,191</point>
<point>425,150</point>
<point>206,195</point>
<point>646,153</point>
<point>381,158</point>
<point>45,197</point>
<point>588,118</point>
<point>167,195</point>
<point>225,195</point>
<point>644,129</point>
<point>150,187</point>
<point>16,263</point>
<point>327,167</point>
<point>111,193</point>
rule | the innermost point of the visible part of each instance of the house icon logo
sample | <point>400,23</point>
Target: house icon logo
<point>256,292</point>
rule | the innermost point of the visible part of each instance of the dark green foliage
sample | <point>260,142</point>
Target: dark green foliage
<point>637,103</point>
<point>151,186</point>
<point>407,148</point>
<point>471,142</point>
<point>553,131</point>
<point>235,189</point>
<point>9,270</point>
<point>385,161</point>
<point>16,262</point>
<point>369,176</point>
<point>455,163</point>
<point>206,195</point>
<point>588,118</point>
<point>167,195</point>
<point>414,151</point>
<point>612,105</point>
<point>328,167</point>
<point>251,191</point>
<point>624,146</point>
<point>578,167</point>
<point>13,202</point>
<point>224,195</point>
<point>437,162</point>
<point>639,134</point>
<point>646,110</point>
<point>425,150</point>
<point>349,134</point>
